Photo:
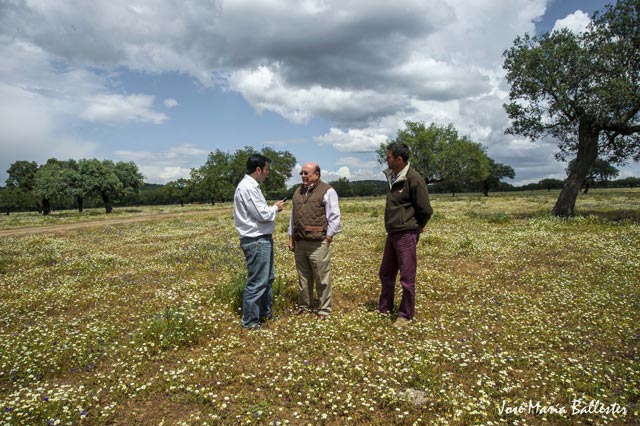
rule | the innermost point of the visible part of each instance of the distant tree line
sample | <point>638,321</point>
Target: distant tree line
<point>450,163</point>
<point>90,183</point>
<point>459,166</point>
<point>599,174</point>
<point>68,183</point>
<point>454,163</point>
<point>549,184</point>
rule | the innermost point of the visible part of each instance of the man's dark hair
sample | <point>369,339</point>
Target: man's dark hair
<point>399,149</point>
<point>255,161</point>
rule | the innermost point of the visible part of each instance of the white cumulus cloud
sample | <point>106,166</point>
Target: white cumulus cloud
<point>121,108</point>
<point>576,22</point>
<point>170,103</point>
<point>354,140</point>
<point>363,66</point>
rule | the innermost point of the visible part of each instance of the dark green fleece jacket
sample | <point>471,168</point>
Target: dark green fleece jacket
<point>408,206</point>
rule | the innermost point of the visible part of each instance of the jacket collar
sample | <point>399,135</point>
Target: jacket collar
<point>392,178</point>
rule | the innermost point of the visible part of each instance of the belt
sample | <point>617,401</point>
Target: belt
<point>259,237</point>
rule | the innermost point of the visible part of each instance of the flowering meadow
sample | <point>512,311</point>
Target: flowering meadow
<point>521,318</point>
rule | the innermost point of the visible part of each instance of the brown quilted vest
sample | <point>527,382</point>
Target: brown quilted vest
<point>309,217</point>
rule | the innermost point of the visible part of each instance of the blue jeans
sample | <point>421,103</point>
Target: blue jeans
<point>257,297</point>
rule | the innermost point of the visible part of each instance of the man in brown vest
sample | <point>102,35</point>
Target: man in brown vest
<point>315,220</point>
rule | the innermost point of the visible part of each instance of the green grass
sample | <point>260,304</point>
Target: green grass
<point>170,329</point>
<point>140,323</point>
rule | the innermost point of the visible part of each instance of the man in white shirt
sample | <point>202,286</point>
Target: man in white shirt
<point>315,220</point>
<point>255,222</point>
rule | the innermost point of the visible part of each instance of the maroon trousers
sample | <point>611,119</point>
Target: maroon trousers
<point>399,256</point>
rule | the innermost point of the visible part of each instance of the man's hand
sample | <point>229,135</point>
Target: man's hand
<point>279,205</point>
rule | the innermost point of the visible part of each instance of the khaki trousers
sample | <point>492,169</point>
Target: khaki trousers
<point>313,263</point>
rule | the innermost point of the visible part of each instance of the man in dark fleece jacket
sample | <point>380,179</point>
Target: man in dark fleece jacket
<point>406,213</point>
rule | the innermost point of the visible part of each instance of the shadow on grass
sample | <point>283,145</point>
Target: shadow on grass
<point>623,215</point>
<point>370,305</point>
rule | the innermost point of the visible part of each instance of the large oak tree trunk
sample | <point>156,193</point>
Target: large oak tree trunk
<point>46,207</point>
<point>485,188</point>
<point>587,154</point>
<point>107,202</point>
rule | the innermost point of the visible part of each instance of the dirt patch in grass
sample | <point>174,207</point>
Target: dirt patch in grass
<point>92,224</point>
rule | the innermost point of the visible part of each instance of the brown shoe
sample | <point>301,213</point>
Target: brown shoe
<point>401,322</point>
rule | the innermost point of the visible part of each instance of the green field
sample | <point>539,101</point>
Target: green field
<point>522,318</point>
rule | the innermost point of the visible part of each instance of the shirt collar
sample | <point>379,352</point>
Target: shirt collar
<point>403,172</point>
<point>304,189</point>
<point>251,180</point>
<point>401,175</point>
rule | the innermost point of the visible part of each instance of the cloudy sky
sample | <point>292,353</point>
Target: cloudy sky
<point>164,82</point>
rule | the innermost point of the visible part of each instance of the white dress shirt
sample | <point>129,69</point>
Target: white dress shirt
<point>251,213</point>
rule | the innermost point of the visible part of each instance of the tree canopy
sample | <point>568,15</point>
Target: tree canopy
<point>497,172</point>
<point>20,184</point>
<point>55,181</point>
<point>581,89</point>
<point>343,187</point>
<point>442,156</point>
<point>217,179</point>
<point>108,180</point>
<point>51,184</point>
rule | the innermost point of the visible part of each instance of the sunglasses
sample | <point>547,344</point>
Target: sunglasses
<point>303,173</point>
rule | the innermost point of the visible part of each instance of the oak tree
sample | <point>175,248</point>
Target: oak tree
<point>582,89</point>
<point>441,155</point>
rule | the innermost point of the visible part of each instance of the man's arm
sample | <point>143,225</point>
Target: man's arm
<point>421,205</point>
<point>258,208</point>
<point>332,213</point>
<point>290,232</point>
